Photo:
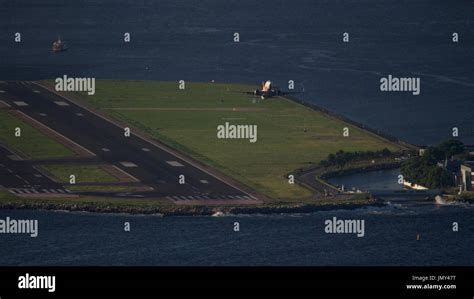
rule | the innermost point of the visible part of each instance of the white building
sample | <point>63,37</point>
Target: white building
<point>467,175</point>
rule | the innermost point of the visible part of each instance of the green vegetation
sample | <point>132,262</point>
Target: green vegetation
<point>423,170</point>
<point>83,173</point>
<point>341,158</point>
<point>290,136</point>
<point>32,144</point>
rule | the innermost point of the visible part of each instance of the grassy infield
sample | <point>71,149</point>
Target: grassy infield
<point>282,146</point>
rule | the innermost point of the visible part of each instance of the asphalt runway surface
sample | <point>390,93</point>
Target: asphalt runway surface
<point>22,177</point>
<point>151,165</point>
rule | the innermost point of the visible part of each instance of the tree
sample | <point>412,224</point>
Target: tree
<point>451,148</point>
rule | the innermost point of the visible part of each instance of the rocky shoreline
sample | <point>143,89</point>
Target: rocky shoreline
<point>195,210</point>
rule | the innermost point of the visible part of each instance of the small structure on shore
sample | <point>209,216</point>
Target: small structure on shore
<point>467,176</point>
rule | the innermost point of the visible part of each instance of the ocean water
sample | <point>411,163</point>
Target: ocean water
<point>284,240</point>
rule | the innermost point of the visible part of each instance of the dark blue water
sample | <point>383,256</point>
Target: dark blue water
<point>373,180</point>
<point>390,239</point>
<point>280,40</point>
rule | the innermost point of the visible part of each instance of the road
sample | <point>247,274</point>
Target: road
<point>143,159</point>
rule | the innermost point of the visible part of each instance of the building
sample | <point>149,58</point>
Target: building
<point>467,176</point>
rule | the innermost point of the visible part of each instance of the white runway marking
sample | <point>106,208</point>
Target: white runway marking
<point>128,164</point>
<point>2,91</point>
<point>145,149</point>
<point>36,91</point>
<point>175,163</point>
<point>105,149</point>
<point>20,103</point>
<point>43,114</point>
<point>61,103</point>
<point>204,181</point>
<point>79,114</point>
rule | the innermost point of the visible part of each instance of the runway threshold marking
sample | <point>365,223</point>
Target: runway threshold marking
<point>36,191</point>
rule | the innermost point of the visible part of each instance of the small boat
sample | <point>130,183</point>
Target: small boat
<point>59,46</point>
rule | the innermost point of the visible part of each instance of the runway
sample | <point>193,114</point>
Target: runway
<point>21,178</point>
<point>150,163</point>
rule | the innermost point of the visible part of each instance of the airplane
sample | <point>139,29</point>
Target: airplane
<point>267,90</point>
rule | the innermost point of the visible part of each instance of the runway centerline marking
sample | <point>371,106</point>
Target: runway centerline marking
<point>145,149</point>
<point>79,114</point>
<point>61,103</point>
<point>20,103</point>
<point>204,181</point>
<point>175,163</point>
<point>105,149</point>
<point>128,164</point>
<point>36,91</point>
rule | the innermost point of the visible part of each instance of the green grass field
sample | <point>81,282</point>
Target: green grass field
<point>187,120</point>
<point>32,144</point>
<point>83,173</point>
